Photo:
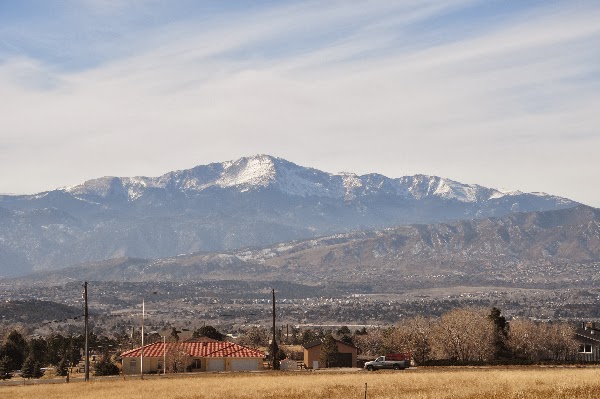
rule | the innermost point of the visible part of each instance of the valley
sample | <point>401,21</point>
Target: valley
<point>235,306</point>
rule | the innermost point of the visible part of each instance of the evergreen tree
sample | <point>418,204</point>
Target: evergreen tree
<point>345,335</point>
<point>308,335</point>
<point>208,331</point>
<point>15,347</point>
<point>37,370</point>
<point>62,368</point>
<point>279,356</point>
<point>38,348</point>
<point>175,334</point>
<point>5,368</point>
<point>28,368</point>
<point>56,347</point>
<point>347,339</point>
<point>329,351</point>
<point>501,328</point>
<point>362,331</point>
<point>343,330</point>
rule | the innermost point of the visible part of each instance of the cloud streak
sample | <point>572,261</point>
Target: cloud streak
<point>395,87</point>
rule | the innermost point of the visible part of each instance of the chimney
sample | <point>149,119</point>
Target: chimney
<point>590,325</point>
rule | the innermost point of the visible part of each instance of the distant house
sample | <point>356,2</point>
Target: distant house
<point>588,336</point>
<point>347,355</point>
<point>198,355</point>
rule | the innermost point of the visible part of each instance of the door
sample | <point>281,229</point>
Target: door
<point>215,364</point>
<point>244,364</point>
<point>342,360</point>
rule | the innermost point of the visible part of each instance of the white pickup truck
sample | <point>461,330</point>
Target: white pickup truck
<point>396,361</point>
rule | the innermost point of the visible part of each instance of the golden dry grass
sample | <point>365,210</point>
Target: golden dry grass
<point>511,383</point>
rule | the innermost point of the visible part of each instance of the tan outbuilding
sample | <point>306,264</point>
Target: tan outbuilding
<point>346,357</point>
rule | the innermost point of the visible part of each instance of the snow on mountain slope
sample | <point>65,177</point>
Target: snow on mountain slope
<point>247,173</point>
<point>262,171</point>
<point>248,202</point>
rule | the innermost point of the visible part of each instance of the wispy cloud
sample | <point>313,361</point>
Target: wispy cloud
<point>506,99</point>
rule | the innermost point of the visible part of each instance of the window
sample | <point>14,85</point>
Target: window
<point>585,348</point>
<point>197,364</point>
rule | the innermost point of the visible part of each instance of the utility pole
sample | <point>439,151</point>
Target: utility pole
<point>87,331</point>
<point>142,353</point>
<point>274,348</point>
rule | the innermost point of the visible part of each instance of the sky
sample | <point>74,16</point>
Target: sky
<point>505,94</point>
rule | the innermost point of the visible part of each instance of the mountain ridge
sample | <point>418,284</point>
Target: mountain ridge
<point>262,171</point>
<point>252,201</point>
<point>527,250</point>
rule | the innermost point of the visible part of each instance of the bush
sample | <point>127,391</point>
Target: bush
<point>106,367</point>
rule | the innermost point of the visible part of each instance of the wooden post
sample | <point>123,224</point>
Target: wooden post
<point>365,390</point>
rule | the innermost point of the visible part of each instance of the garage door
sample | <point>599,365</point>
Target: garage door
<point>215,364</point>
<point>342,360</point>
<point>244,364</point>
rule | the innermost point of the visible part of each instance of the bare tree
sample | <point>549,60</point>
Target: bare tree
<point>464,335</point>
<point>255,337</point>
<point>542,341</point>
<point>371,343</point>
<point>524,340</point>
<point>419,336</point>
<point>177,360</point>
<point>559,340</point>
<point>412,335</point>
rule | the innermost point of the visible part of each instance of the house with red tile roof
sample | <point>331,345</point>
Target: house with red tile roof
<point>192,356</point>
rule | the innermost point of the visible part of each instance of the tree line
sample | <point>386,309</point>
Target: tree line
<point>459,336</point>
<point>31,354</point>
<point>469,335</point>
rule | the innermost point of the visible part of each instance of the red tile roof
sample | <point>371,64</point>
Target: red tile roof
<point>195,349</point>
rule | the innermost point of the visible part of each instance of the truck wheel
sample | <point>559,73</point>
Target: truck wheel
<point>369,368</point>
<point>396,367</point>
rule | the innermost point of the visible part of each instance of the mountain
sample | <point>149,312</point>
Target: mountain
<point>559,248</point>
<point>253,201</point>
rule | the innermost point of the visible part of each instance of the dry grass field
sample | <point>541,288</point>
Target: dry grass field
<point>476,383</point>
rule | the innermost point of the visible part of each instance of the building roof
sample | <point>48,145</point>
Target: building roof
<point>588,333</point>
<point>195,349</point>
<point>318,342</point>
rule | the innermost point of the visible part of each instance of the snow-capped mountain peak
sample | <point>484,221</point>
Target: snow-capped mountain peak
<point>251,201</point>
<point>265,171</point>
<point>257,171</point>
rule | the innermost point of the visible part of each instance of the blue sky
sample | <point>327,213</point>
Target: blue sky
<point>499,93</point>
